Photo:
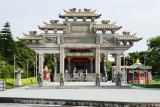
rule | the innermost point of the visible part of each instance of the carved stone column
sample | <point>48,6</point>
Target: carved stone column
<point>40,74</point>
<point>118,69</point>
<point>91,65</point>
<point>61,65</point>
<point>97,65</point>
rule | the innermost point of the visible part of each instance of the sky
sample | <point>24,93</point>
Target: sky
<point>137,16</point>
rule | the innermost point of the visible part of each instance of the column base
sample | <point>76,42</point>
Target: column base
<point>97,80</point>
<point>61,80</point>
<point>118,79</point>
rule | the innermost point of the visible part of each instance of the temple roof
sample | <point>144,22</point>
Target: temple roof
<point>128,37</point>
<point>138,65</point>
<point>79,14</point>
<point>30,36</point>
<point>106,26</point>
<point>52,25</point>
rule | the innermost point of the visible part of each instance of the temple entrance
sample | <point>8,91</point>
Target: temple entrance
<point>79,69</point>
<point>80,64</point>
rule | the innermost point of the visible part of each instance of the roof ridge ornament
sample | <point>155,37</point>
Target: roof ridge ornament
<point>32,32</point>
<point>54,21</point>
<point>87,10</point>
<point>126,33</point>
<point>94,11</point>
<point>79,10</point>
<point>105,21</point>
<point>73,10</point>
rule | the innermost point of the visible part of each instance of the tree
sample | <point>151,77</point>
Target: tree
<point>132,57</point>
<point>7,43</point>
<point>108,65</point>
<point>23,53</point>
<point>0,44</point>
<point>153,54</point>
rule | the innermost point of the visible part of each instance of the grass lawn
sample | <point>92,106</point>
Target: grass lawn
<point>25,82</point>
<point>152,84</point>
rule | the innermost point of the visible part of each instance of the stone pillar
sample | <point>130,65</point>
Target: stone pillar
<point>61,65</point>
<point>106,56</point>
<point>128,76</point>
<point>91,65</point>
<point>40,74</point>
<point>97,61</point>
<point>55,68</point>
<point>118,69</point>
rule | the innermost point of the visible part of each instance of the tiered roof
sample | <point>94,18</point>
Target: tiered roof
<point>105,25</point>
<point>31,36</point>
<point>52,25</point>
<point>126,36</point>
<point>71,13</point>
<point>86,13</point>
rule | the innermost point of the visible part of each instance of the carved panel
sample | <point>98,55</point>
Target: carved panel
<point>109,41</point>
<point>51,39</point>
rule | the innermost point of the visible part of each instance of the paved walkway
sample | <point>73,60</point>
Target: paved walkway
<point>116,95</point>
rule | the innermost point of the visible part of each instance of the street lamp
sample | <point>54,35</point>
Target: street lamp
<point>27,67</point>
<point>34,69</point>
<point>14,70</point>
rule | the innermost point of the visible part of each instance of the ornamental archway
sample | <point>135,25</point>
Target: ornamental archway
<point>78,34</point>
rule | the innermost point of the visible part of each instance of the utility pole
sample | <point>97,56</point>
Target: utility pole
<point>34,69</point>
<point>14,70</point>
<point>27,69</point>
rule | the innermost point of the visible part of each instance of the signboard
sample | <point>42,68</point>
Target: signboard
<point>79,28</point>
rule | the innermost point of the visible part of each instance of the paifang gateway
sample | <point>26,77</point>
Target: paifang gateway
<point>79,44</point>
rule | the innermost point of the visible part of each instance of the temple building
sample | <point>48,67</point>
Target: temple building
<point>136,73</point>
<point>79,44</point>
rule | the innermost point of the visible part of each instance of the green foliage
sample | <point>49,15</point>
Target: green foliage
<point>6,70</point>
<point>150,57</point>
<point>108,65</point>
<point>154,43</point>
<point>7,46</point>
<point>22,54</point>
<point>152,84</point>
<point>25,82</point>
<point>154,54</point>
<point>131,58</point>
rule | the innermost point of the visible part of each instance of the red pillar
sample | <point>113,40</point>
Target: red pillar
<point>138,76</point>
